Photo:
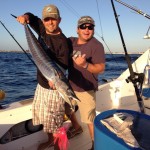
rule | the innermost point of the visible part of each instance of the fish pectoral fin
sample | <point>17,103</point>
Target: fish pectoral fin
<point>72,98</point>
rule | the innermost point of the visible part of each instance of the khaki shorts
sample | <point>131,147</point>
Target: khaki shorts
<point>87,105</point>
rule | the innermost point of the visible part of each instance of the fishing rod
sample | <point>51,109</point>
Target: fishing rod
<point>17,41</point>
<point>134,77</point>
<point>137,10</point>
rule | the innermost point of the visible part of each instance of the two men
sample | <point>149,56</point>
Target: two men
<point>83,70</point>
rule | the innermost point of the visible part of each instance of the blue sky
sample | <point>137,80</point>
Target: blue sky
<point>134,26</point>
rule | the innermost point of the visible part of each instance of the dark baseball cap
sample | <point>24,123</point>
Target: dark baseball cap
<point>86,19</point>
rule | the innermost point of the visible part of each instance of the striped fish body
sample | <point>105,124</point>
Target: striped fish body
<point>49,68</point>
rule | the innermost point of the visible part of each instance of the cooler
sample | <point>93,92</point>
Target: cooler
<point>104,139</point>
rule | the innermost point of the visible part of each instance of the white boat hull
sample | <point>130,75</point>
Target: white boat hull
<point>119,94</point>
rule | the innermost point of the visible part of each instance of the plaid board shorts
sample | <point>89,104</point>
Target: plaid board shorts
<point>48,109</point>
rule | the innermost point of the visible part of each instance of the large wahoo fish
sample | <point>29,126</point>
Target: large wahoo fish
<point>49,68</point>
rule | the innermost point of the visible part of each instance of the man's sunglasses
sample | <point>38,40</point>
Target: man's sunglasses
<point>83,27</point>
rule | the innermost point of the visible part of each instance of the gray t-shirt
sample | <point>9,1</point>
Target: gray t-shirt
<point>80,78</point>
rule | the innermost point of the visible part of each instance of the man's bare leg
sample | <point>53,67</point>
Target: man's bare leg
<point>91,131</point>
<point>50,141</point>
<point>74,121</point>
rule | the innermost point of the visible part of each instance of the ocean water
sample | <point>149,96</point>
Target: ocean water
<point>18,74</point>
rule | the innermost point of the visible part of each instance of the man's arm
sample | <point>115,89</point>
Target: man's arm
<point>80,60</point>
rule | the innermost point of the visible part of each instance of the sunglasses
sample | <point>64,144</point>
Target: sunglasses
<point>83,27</point>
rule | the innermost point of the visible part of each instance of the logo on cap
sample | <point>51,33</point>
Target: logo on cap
<point>49,9</point>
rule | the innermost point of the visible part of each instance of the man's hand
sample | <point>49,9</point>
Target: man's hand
<point>24,19</point>
<point>80,60</point>
<point>51,84</point>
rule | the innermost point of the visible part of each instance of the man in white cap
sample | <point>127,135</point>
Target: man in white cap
<point>48,105</point>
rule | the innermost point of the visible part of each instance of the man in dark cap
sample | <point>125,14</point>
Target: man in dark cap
<point>88,62</point>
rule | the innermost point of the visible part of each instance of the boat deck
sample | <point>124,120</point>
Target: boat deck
<point>81,141</point>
